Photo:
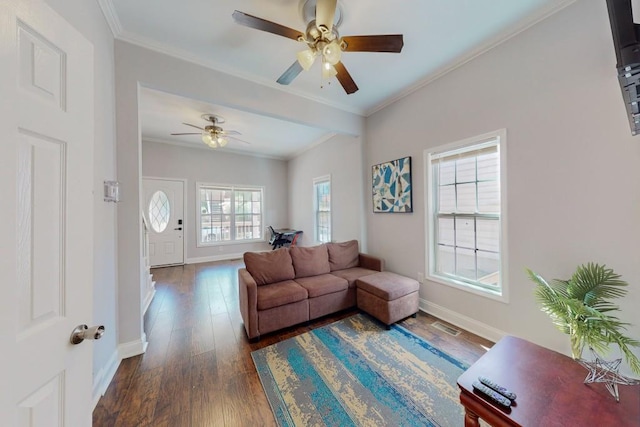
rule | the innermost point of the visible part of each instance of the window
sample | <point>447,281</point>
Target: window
<point>322,208</point>
<point>229,213</point>
<point>466,214</point>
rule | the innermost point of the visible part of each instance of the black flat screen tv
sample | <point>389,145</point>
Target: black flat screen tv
<point>626,34</point>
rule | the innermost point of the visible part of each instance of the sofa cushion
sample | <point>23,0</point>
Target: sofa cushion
<point>343,255</point>
<point>269,267</point>
<point>310,261</point>
<point>351,274</point>
<point>388,286</point>
<point>280,293</point>
<point>323,284</point>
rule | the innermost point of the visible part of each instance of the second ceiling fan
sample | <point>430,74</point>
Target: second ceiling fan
<point>213,135</point>
<point>323,40</point>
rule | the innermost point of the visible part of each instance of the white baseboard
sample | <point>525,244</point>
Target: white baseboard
<point>223,257</point>
<point>133,348</point>
<point>462,321</point>
<point>149,297</point>
<point>104,377</point>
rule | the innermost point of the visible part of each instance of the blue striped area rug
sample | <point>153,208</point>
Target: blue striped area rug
<point>356,373</point>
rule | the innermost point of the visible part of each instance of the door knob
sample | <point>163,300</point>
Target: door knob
<point>83,332</point>
<point>179,228</point>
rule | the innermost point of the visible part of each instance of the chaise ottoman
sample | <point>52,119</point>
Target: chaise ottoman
<point>387,296</point>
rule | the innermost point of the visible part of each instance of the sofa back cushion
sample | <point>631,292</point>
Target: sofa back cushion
<point>310,261</point>
<point>343,255</point>
<point>269,267</point>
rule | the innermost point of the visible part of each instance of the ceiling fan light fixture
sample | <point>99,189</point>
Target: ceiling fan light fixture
<point>213,140</point>
<point>208,139</point>
<point>328,70</point>
<point>332,52</point>
<point>306,58</point>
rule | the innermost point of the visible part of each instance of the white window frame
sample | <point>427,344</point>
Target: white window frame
<point>233,188</point>
<point>502,293</point>
<point>316,225</point>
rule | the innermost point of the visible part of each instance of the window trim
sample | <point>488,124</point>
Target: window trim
<point>320,180</point>
<point>232,187</point>
<point>503,294</point>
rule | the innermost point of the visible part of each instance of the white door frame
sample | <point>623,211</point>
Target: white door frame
<point>185,197</point>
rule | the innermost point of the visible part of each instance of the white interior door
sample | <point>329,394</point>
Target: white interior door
<point>46,164</point>
<point>164,209</point>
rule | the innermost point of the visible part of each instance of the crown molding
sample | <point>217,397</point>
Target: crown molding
<point>111,16</point>
<point>492,43</point>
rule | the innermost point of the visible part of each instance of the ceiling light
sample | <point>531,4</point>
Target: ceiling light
<point>213,140</point>
<point>207,138</point>
<point>332,52</point>
<point>306,58</point>
<point>328,70</point>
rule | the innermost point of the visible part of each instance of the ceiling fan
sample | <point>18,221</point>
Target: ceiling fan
<point>323,40</point>
<point>213,135</point>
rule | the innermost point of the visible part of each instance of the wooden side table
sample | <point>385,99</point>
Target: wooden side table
<point>549,387</point>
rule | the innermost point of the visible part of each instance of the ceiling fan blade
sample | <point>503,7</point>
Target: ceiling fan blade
<point>190,133</point>
<point>193,126</point>
<point>238,139</point>
<point>325,13</point>
<point>264,25</point>
<point>380,43</point>
<point>291,73</point>
<point>230,132</point>
<point>345,79</point>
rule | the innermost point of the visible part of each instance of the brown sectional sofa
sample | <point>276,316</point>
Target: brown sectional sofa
<point>288,286</point>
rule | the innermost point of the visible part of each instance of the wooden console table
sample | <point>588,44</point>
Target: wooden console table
<point>549,388</point>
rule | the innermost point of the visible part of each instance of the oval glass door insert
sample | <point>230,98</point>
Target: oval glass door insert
<point>159,211</point>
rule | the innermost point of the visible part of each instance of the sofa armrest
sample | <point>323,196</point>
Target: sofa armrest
<point>371,262</point>
<point>248,293</point>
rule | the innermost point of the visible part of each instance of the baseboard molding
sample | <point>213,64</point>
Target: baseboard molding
<point>149,297</point>
<point>104,377</point>
<point>462,321</point>
<point>223,257</point>
<point>133,348</point>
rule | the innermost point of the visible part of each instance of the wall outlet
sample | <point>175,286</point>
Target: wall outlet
<point>420,277</point>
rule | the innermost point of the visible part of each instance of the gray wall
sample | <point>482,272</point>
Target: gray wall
<point>573,178</point>
<point>87,18</point>
<point>210,166</point>
<point>341,158</point>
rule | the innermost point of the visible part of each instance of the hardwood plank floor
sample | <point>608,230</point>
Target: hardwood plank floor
<point>198,370</point>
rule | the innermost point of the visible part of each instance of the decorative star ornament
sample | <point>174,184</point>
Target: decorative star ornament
<point>602,371</point>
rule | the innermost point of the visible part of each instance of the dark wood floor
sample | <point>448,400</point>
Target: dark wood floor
<point>198,371</point>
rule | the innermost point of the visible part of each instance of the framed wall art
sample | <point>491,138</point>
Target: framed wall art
<point>391,182</point>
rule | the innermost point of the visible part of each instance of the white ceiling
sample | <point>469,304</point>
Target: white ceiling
<point>438,36</point>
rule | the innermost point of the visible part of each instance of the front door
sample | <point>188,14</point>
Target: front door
<point>46,243</point>
<point>164,210</point>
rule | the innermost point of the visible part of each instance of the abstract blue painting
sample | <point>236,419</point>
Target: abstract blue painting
<point>391,183</point>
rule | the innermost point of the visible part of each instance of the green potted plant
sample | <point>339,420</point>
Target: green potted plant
<point>580,308</point>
